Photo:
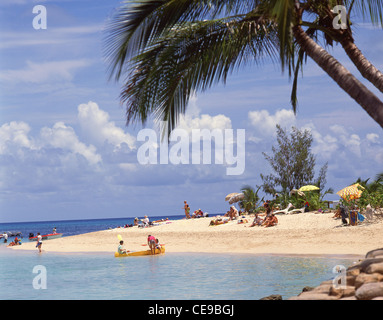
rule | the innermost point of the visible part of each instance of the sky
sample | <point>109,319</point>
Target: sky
<point>66,152</point>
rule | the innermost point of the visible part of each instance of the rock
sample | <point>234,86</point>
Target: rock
<point>369,291</point>
<point>350,280</point>
<point>374,253</point>
<point>349,298</point>
<point>353,272</point>
<point>307,288</point>
<point>364,282</point>
<point>310,295</point>
<point>375,268</point>
<point>363,265</point>
<point>272,297</point>
<point>367,278</point>
<point>323,288</point>
<point>349,291</point>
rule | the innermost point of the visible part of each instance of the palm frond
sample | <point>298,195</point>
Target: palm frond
<point>138,24</point>
<point>370,10</point>
<point>190,58</point>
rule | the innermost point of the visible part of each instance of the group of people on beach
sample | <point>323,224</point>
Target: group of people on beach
<point>196,214</point>
<point>152,242</point>
<point>270,219</point>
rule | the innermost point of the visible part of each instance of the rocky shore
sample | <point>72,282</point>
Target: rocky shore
<point>363,281</point>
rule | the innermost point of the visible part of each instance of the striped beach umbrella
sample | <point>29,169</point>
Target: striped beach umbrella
<point>352,192</point>
<point>237,197</point>
<point>230,195</point>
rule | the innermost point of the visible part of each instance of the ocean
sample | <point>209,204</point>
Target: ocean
<point>28,275</point>
<point>73,227</point>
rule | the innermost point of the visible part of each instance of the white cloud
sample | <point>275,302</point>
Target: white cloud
<point>372,138</point>
<point>44,72</point>
<point>265,123</point>
<point>350,141</point>
<point>194,120</point>
<point>65,138</point>
<point>98,128</point>
<point>15,135</point>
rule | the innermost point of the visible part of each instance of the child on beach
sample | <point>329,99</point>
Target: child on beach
<point>158,246</point>
<point>121,249</point>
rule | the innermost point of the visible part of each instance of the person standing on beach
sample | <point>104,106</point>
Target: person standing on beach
<point>152,244</point>
<point>39,241</point>
<point>5,236</point>
<point>187,210</point>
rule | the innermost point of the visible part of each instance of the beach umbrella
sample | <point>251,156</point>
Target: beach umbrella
<point>300,193</point>
<point>230,195</point>
<point>237,197</point>
<point>308,188</point>
<point>352,192</point>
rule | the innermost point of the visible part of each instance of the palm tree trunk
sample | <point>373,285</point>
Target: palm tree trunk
<point>359,92</point>
<point>365,67</point>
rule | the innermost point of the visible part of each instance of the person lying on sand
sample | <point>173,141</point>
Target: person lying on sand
<point>218,221</point>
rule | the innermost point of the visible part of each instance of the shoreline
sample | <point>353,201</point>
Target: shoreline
<point>288,255</point>
<point>306,234</point>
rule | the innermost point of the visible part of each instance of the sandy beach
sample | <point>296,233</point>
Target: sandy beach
<point>300,234</point>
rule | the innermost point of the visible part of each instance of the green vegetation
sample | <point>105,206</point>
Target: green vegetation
<point>167,50</point>
<point>372,193</point>
<point>293,167</point>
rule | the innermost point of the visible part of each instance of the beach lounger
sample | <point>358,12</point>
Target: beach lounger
<point>369,213</point>
<point>301,210</point>
<point>284,211</point>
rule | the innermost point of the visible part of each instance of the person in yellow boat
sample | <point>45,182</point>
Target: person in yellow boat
<point>158,246</point>
<point>121,249</point>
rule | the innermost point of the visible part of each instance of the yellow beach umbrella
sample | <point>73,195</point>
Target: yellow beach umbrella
<point>309,187</point>
<point>352,192</point>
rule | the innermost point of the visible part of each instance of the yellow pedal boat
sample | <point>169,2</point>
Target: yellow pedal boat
<point>139,253</point>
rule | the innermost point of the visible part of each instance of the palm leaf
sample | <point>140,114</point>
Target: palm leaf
<point>137,24</point>
<point>189,58</point>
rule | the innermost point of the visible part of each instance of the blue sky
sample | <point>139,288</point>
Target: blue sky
<point>65,152</point>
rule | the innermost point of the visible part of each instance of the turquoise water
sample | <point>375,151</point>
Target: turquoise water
<point>167,277</point>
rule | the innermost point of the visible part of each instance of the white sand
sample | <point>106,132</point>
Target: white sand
<point>306,234</point>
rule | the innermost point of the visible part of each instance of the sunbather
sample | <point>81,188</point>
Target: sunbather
<point>270,221</point>
<point>257,221</point>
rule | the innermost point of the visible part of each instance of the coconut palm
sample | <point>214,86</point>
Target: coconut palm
<point>251,198</point>
<point>168,49</point>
